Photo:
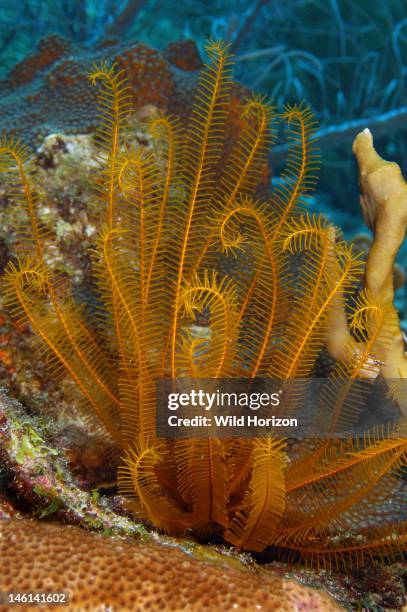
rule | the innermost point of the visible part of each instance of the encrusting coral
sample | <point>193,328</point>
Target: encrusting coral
<point>184,237</point>
<point>139,575</point>
<point>49,91</point>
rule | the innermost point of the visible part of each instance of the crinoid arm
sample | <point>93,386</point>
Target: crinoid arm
<point>66,342</point>
<point>263,505</point>
<point>138,478</point>
<point>360,475</point>
<point>15,162</point>
<point>36,296</point>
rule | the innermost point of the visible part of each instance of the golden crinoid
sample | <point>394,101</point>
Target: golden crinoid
<point>199,278</point>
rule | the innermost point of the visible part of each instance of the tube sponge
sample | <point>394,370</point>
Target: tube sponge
<point>383,201</point>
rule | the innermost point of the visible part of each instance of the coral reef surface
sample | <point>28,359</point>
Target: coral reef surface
<point>99,573</point>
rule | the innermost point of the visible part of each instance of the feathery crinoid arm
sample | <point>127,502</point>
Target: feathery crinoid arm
<point>76,343</point>
<point>300,175</point>
<point>247,225</point>
<point>327,270</point>
<point>117,285</point>
<point>139,480</point>
<point>202,479</point>
<point>67,344</point>
<point>113,100</point>
<point>130,272</point>
<point>263,505</point>
<point>167,134</point>
<point>386,543</point>
<point>347,494</point>
<point>141,213</point>
<point>218,298</point>
<point>131,190</point>
<point>342,398</point>
<point>267,284</point>
<point>114,104</point>
<point>201,463</point>
<point>239,457</point>
<point>245,164</point>
<point>242,169</point>
<point>203,143</point>
<point>15,162</point>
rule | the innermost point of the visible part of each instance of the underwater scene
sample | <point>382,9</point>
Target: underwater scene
<point>203,305</point>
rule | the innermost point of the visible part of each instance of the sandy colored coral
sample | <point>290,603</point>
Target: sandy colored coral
<point>138,575</point>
